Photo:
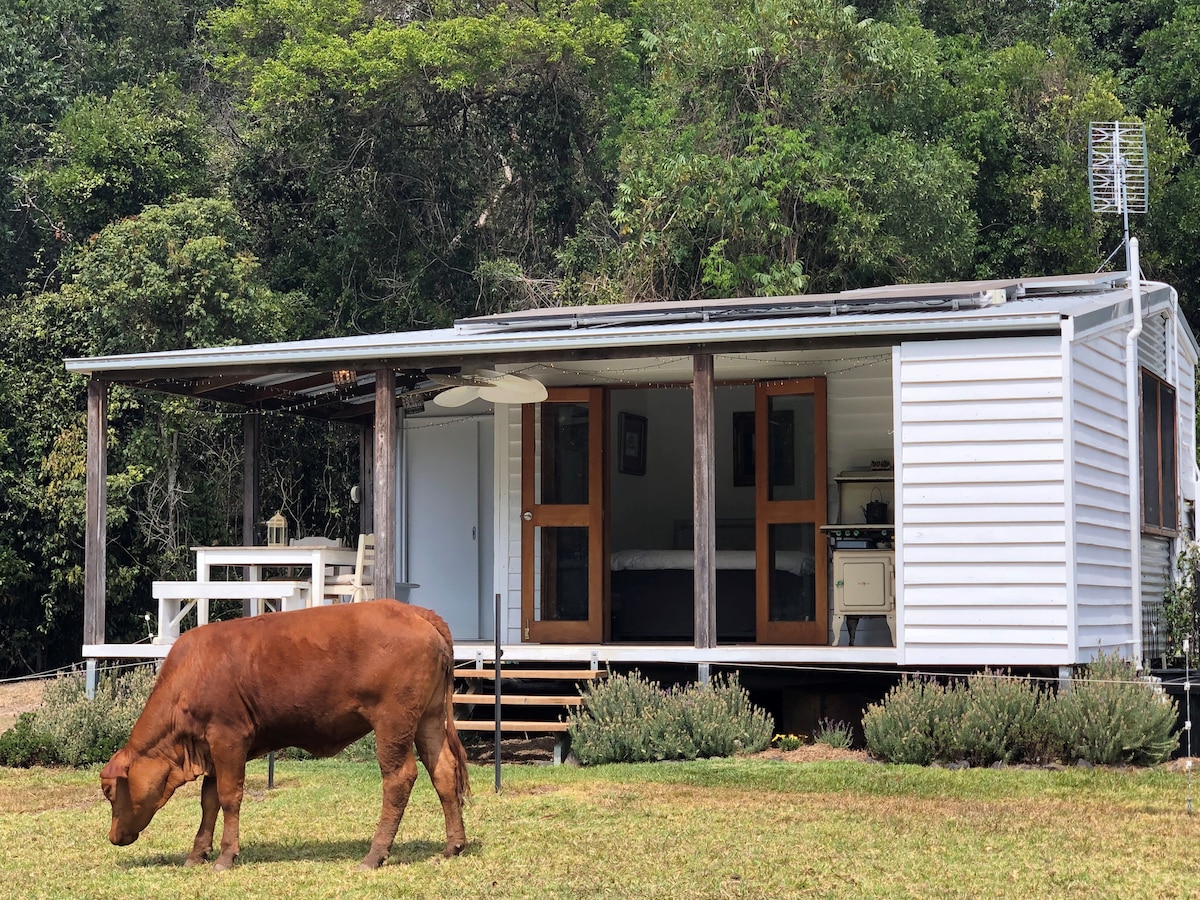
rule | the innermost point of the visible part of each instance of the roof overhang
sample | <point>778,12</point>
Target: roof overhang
<point>334,378</point>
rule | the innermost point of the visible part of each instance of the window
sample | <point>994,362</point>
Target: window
<point>1158,454</point>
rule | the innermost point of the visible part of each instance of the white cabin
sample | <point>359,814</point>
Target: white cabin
<point>1026,482</point>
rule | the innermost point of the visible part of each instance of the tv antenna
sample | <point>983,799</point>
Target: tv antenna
<point>1118,174</point>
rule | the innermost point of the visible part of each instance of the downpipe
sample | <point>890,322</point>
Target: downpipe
<point>1131,404</point>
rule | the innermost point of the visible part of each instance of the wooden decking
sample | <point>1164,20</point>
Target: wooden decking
<point>606,654</point>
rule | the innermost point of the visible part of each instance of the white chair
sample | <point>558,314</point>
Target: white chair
<point>315,540</point>
<point>359,584</point>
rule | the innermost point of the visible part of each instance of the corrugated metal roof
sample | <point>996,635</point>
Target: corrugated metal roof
<point>297,376</point>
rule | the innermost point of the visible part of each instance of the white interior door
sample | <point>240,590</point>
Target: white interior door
<point>443,525</point>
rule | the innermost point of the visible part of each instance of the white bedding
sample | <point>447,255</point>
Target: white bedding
<point>794,561</point>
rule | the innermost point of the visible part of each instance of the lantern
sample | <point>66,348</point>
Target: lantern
<point>277,530</point>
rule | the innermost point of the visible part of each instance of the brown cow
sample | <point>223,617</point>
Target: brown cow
<point>317,679</point>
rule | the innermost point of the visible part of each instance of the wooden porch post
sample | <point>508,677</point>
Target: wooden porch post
<point>95,539</point>
<point>385,499</point>
<point>703,499</point>
<point>251,444</point>
<point>366,477</point>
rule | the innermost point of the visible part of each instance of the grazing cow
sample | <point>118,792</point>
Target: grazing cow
<point>317,679</point>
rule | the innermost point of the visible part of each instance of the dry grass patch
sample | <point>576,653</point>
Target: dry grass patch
<point>18,697</point>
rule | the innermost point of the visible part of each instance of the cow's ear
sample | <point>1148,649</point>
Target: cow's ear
<point>118,767</point>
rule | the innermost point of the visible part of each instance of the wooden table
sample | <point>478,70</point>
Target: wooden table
<point>176,598</point>
<point>314,558</point>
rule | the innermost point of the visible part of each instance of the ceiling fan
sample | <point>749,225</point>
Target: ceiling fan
<point>484,384</point>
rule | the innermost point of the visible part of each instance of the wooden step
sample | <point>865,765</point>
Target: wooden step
<point>518,700</point>
<point>507,725</point>
<point>534,674</point>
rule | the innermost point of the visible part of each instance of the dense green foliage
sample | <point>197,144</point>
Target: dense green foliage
<point>186,172</point>
<point>628,718</point>
<point>1108,715</point>
<point>1181,609</point>
<point>74,730</point>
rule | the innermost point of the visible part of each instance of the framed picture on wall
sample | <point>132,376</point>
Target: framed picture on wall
<point>743,449</point>
<point>631,432</point>
<point>781,451</point>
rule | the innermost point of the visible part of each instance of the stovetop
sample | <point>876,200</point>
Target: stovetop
<point>860,537</point>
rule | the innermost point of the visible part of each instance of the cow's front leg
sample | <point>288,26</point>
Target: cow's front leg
<point>231,782</point>
<point>209,804</point>
<point>399,768</point>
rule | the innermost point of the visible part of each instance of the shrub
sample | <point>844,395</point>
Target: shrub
<point>910,725</point>
<point>362,750</point>
<point>839,735</point>
<point>1181,604</point>
<point>76,731</point>
<point>630,719</point>
<point>787,741</point>
<point>1001,720</point>
<point>721,720</point>
<point>1110,715</point>
<point>25,745</point>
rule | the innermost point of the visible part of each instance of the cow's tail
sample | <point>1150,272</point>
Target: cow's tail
<point>462,782</point>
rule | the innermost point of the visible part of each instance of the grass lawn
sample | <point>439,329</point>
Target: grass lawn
<point>720,828</point>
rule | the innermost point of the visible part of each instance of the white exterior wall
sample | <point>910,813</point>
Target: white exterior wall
<point>1184,378</point>
<point>1101,511</point>
<point>983,575</point>
<point>508,518</point>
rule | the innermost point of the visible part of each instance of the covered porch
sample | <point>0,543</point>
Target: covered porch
<point>740,438</point>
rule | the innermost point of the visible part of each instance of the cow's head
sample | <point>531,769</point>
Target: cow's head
<point>137,785</point>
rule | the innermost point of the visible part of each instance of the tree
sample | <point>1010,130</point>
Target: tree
<point>111,156</point>
<point>53,52</point>
<point>173,276</point>
<point>390,156</point>
<point>1150,47</point>
<point>760,156</point>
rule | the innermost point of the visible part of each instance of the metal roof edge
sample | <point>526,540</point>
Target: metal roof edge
<point>439,343</point>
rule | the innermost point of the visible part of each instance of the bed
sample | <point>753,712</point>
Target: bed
<point>652,590</point>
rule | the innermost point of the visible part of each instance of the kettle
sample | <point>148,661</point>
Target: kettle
<point>876,510</point>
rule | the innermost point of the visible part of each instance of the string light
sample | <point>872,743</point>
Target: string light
<point>291,403</point>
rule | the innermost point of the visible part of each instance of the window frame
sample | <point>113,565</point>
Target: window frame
<point>1160,485</point>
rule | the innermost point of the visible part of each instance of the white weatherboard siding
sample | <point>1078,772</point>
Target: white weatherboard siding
<point>508,524</point>
<point>1185,398</point>
<point>1099,439</point>
<point>982,566</point>
<point>1157,565</point>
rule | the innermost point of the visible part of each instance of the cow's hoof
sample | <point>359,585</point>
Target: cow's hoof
<point>453,850</point>
<point>222,864</point>
<point>372,861</point>
<point>195,859</point>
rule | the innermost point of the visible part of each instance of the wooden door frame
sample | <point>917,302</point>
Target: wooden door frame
<point>773,512</point>
<point>592,515</point>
